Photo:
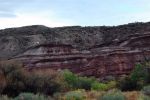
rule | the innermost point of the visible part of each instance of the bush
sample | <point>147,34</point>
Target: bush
<point>70,78</point>
<point>76,82</point>
<point>5,97</point>
<point>136,80</point>
<point>19,80</point>
<point>74,95</point>
<point>126,84</point>
<point>85,83</point>
<point>42,83</point>
<point>143,97</point>
<point>113,95</point>
<point>111,84</point>
<point>103,86</point>
<point>2,82</point>
<point>137,72</point>
<point>146,90</point>
<point>15,77</point>
<point>31,96</point>
<point>99,86</point>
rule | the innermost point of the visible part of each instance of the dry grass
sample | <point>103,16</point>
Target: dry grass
<point>132,95</point>
<point>93,95</point>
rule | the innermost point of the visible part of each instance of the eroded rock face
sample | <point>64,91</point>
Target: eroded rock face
<point>98,62</point>
<point>91,51</point>
<point>14,41</point>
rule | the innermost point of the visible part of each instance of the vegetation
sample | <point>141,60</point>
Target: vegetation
<point>31,96</point>
<point>77,82</point>
<point>74,95</point>
<point>136,80</point>
<point>146,90</point>
<point>143,97</point>
<point>19,80</point>
<point>64,85</point>
<point>113,95</point>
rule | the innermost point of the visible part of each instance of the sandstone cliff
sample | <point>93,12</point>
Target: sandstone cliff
<point>92,51</point>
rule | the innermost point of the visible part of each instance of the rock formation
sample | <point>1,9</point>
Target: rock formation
<point>91,51</point>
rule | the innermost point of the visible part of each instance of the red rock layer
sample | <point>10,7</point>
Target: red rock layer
<point>98,62</point>
<point>101,64</point>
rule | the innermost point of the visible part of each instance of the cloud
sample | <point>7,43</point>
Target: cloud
<point>53,13</point>
<point>23,19</point>
<point>16,13</point>
<point>8,8</point>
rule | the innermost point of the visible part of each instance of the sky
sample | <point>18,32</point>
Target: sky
<point>57,13</point>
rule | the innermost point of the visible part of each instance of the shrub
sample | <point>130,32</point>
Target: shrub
<point>136,80</point>
<point>85,83</point>
<point>70,78</point>
<point>74,95</point>
<point>2,82</point>
<point>5,97</point>
<point>93,95</point>
<point>113,95</point>
<point>76,82</point>
<point>111,84</point>
<point>146,90</point>
<point>19,80</point>
<point>31,96</point>
<point>42,83</point>
<point>126,84</point>
<point>58,96</point>
<point>139,73</point>
<point>143,97</point>
<point>15,77</point>
<point>103,86</point>
<point>99,86</point>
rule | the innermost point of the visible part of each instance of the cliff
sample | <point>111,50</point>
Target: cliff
<point>92,51</point>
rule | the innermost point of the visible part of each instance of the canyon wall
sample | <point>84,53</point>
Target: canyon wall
<point>98,61</point>
<point>91,51</point>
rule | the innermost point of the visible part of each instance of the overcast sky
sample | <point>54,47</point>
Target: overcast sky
<point>54,13</point>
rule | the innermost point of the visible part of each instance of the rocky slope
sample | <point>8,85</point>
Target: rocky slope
<point>92,51</point>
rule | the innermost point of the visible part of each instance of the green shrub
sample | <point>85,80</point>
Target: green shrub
<point>85,83</point>
<point>113,95</point>
<point>70,78</point>
<point>77,82</point>
<point>99,86</point>
<point>136,80</point>
<point>126,84</point>
<point>137,72</point>
<point>111,84</point>
<point>103,86</point>
<point>31,96</point>
<point>146,90</point>
<point>74,95</point>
